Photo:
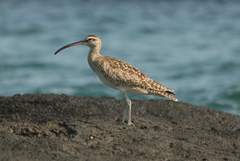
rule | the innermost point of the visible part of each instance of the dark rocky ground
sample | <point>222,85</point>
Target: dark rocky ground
<point>66,128</point>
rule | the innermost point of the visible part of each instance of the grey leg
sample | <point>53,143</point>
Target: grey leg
<point>129,103</point>
<point>125,117</point>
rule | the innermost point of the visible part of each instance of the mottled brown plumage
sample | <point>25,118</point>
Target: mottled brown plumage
<point>124,76</point>
<point>121,75</point>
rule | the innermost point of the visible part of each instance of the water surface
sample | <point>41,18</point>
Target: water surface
<point>191,46</point>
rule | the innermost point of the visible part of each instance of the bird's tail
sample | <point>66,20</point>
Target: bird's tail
<point>161,90</point>
<point>169,94</point>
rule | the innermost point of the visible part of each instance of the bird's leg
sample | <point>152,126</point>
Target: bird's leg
<point>124,118</point>
<point>129,103</point>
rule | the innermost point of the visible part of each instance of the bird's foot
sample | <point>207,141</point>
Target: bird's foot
<point>130,123</point>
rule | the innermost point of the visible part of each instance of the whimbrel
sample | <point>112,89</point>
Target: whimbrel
<point>120,75</point>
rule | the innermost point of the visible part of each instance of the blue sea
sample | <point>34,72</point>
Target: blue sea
<point>189,45</point>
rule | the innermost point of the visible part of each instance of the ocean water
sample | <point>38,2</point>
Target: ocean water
<point>191,46</point>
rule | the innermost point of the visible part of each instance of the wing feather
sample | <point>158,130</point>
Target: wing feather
<point>124,75</point>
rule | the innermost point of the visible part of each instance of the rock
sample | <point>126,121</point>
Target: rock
<point>59,127</point>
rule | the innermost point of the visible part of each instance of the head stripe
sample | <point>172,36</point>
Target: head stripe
<point>92,36</point>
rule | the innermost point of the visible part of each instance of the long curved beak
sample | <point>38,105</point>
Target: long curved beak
<point>82,42</point>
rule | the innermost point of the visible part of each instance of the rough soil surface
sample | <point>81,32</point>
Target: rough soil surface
<point>68,128</point>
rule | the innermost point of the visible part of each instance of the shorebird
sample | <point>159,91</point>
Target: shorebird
<point>120,75</point>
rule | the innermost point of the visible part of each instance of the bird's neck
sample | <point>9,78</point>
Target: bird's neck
<point>94,53</point>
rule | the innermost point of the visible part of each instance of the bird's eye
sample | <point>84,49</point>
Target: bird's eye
<point>91,39</point>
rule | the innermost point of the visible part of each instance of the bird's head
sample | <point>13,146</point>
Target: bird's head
<point>92,41</point>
